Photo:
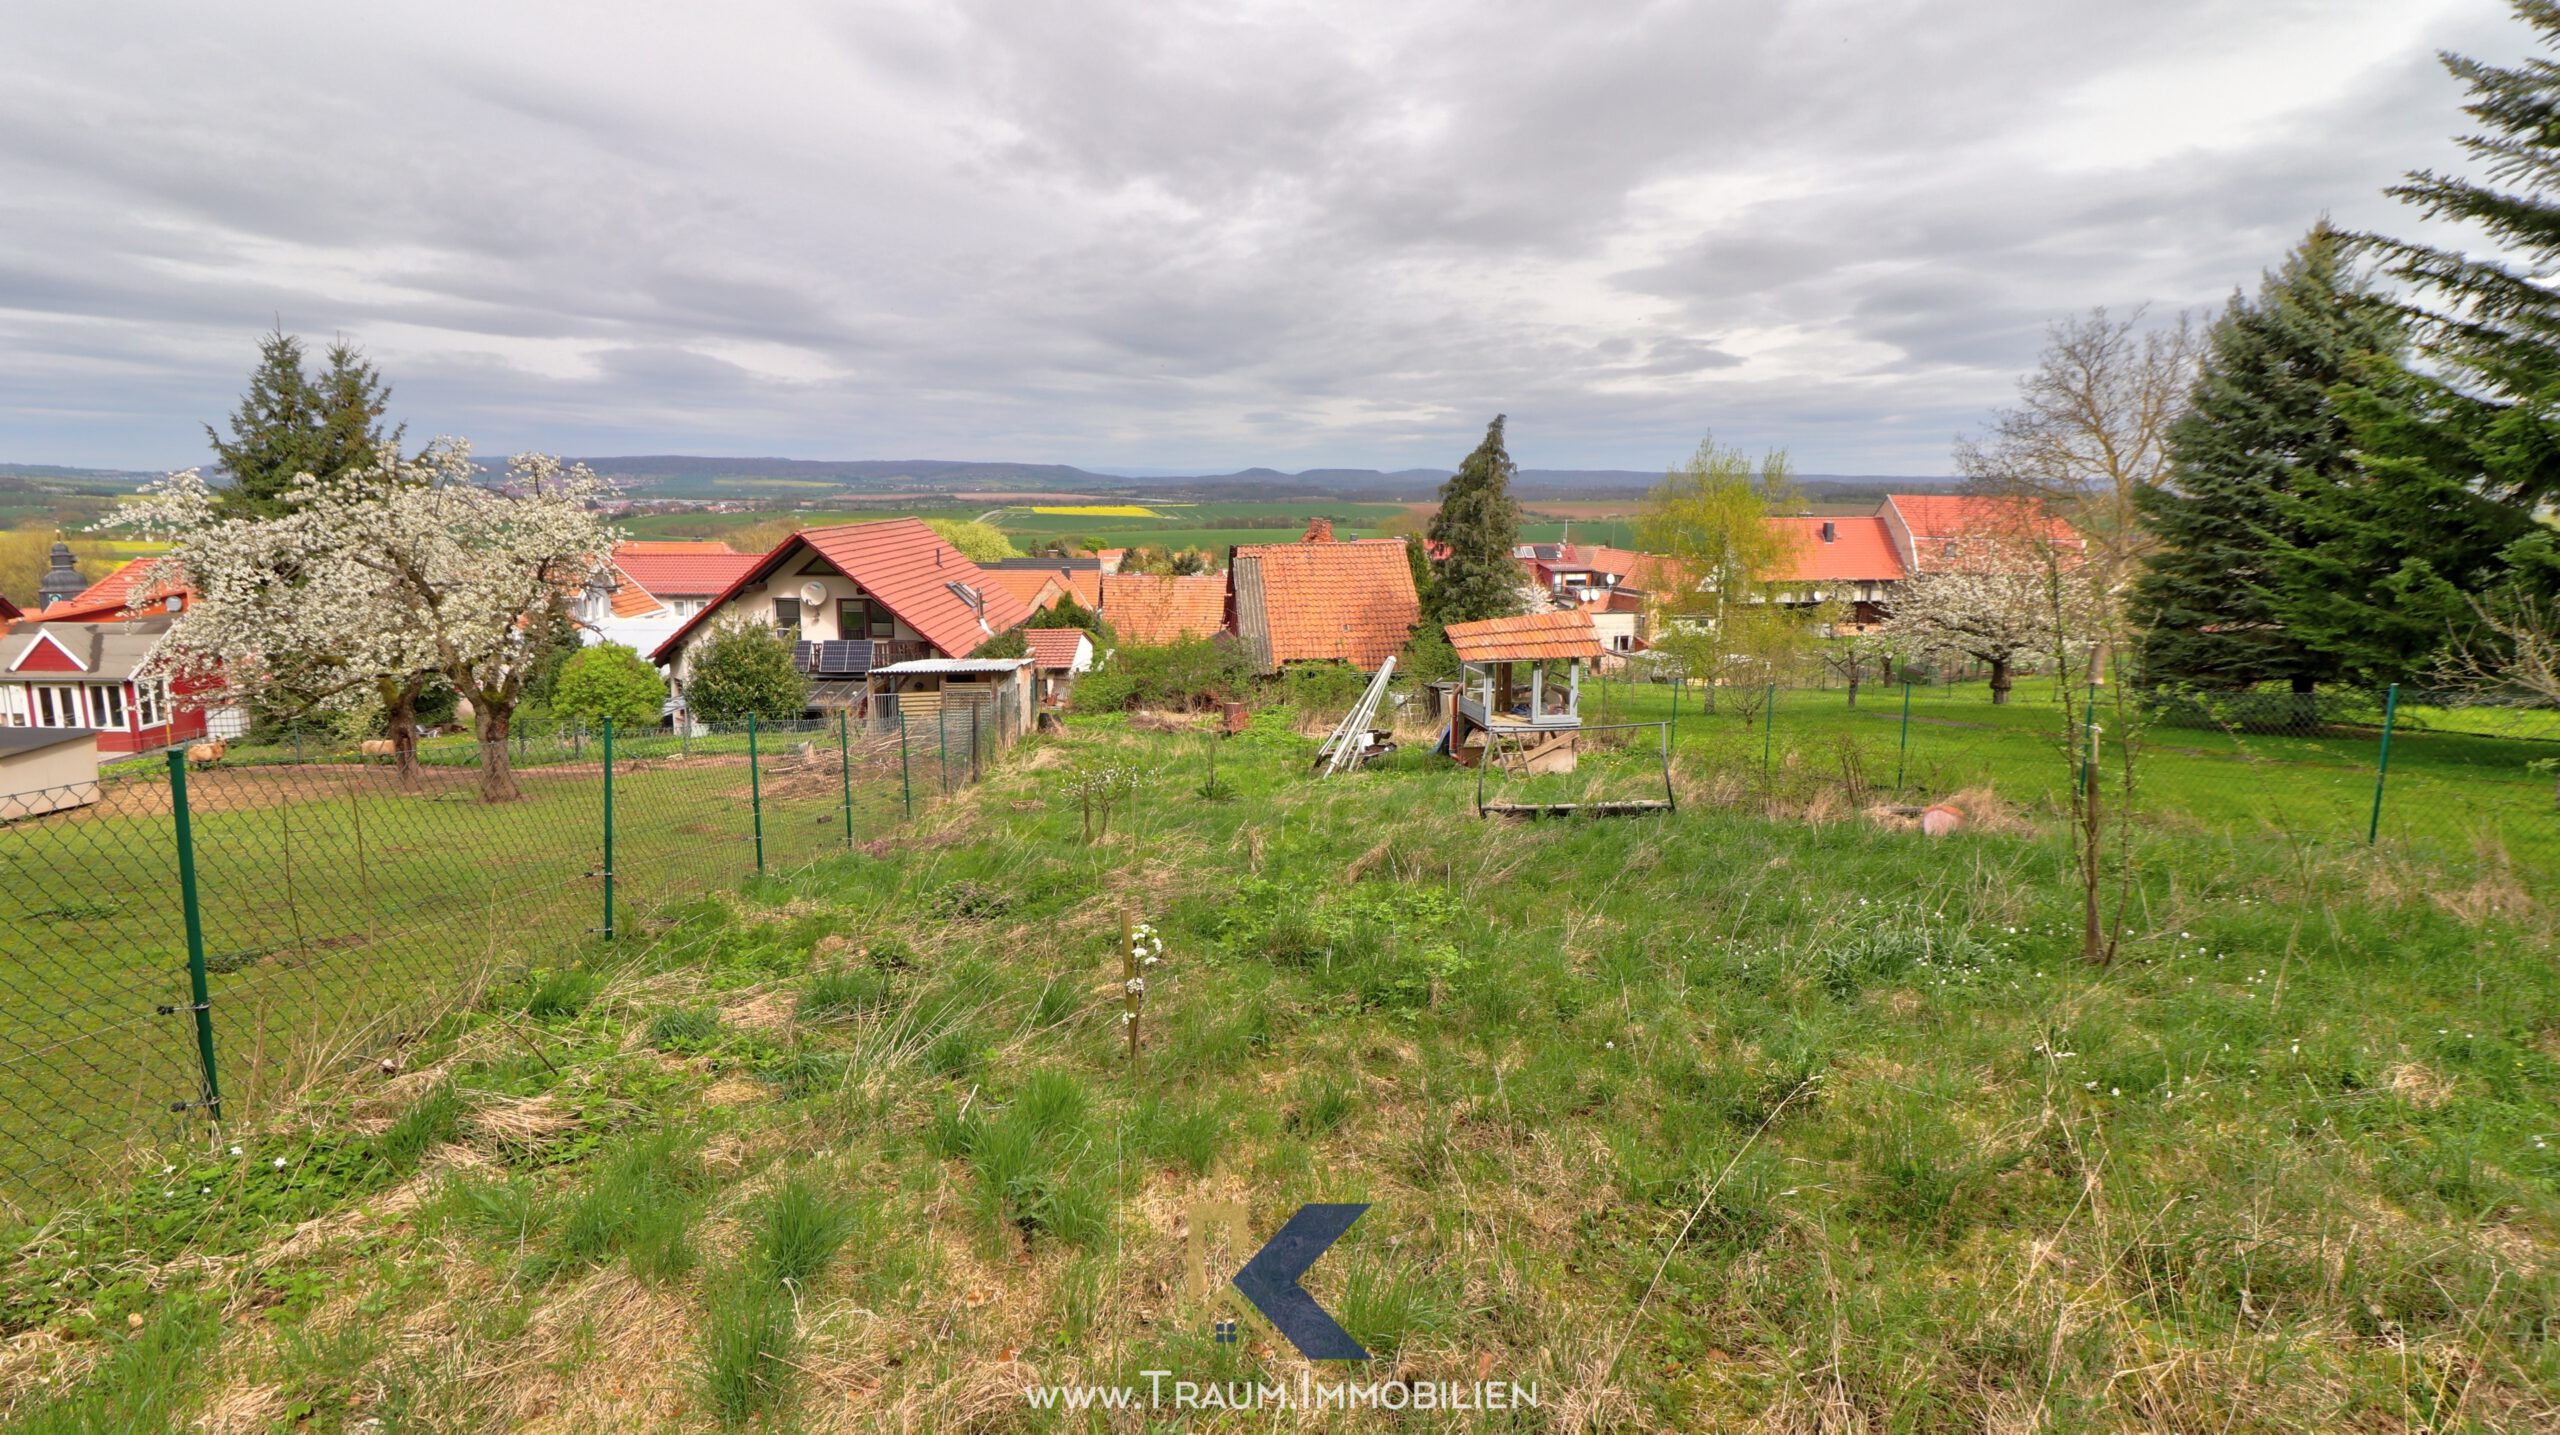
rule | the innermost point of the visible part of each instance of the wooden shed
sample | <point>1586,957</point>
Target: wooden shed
<point>1520,689</point>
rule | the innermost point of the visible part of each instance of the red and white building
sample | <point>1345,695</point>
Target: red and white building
<point>89,675</point>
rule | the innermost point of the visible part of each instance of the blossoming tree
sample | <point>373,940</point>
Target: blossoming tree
<point>1996,602</point>
<point>383,577</point>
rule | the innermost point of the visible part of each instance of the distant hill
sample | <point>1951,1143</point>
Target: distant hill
<point>57,478</point>
<point>694,476</point>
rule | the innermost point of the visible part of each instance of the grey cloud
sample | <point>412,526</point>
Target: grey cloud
<point>1322,234</point>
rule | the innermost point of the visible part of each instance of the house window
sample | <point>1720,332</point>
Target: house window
<point>151,703</point>
<point>13,706</point>
<point>58,706</point>
<point>786,615</point>
<point>863,618</point>
<point>106,707</point>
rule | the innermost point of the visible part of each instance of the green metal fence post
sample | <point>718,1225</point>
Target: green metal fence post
<point>199,991</point>
<point>2382,766</point>
<point>608,829</point>
<point>906,778</point>
<point>844,762</point>
<point>1902,756</point>
<point>755,790</point>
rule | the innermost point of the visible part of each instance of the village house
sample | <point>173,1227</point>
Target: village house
<point>1935,531</point>
<point>1851,560</point>
<point>1315,601</point>
<point>1057,656</point>
<point>1041,582</point>
<point>1152,609</point>
<point>851,599</point>
<point>90,676</point>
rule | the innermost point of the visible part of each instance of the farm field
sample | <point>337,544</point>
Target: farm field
<point>1694,1121</point>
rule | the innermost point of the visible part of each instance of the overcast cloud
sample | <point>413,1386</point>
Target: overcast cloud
<point>1171,235</point>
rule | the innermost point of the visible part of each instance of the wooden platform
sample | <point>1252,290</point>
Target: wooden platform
<point>1567,809</point>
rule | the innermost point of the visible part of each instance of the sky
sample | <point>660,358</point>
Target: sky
<point>1160,235</point>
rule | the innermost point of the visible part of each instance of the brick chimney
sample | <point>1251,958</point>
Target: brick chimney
<point>1319,530</point>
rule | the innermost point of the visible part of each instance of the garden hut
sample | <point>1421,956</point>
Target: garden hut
<point>1520,689</point>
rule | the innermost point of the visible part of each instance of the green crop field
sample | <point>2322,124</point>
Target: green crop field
<point>1756,1114</point>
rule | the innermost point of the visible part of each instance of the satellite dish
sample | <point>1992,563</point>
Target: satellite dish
<point>814,593</point>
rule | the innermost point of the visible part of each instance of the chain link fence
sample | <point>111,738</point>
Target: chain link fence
<point>182,943</point>
<point>2469,786</point>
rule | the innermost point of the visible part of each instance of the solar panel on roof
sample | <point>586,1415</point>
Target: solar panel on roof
<point>801,653</point>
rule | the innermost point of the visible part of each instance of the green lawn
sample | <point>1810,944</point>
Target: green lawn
<point>2454,795</point>
<point>338,909</point>
<point>1698,1122</point>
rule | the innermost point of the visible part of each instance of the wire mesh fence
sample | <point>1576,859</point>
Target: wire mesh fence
<point>182,943</point>
<point>2467,785</point>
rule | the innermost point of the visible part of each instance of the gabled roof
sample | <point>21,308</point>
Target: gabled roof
<point>112,599</point>
<point>104,651</point>
<point>1152,609</point>
<point>668,569</point>
<point>1569,634</point>
<point>1940,522</point>
<point>1300,601</point>
<point>1860,550</point>
<point>1056,649</point>
<point>1027,580</point>
<point>902,563</point>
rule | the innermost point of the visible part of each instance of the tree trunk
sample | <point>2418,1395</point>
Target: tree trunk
<point>497,774</point>
<point>2306,707</point>
<point>1999,681</point>
<point>400,715</point>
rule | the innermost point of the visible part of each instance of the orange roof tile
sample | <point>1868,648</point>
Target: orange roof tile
<point>1860,550</point>
<point>1941,523</point>
<point>666,569</point>
<point>1055,649</point>
<point>905,565</point>
<point>1569,634</point>
<point>1151,609</point>
<point>1036,589</point>
<point>1353,601</point>
<point>112,600</point>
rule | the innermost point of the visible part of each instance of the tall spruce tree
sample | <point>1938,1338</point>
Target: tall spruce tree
<point>2380,573</point>
<point>288,424</point>
<point>2261,425</point>
<point>1478,523</point>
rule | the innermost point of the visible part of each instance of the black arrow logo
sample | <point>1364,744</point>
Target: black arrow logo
<point>1270,1281</point>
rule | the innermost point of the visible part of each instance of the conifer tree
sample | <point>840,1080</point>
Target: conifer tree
<point>2261,424</point>
<point>288,424</point>
<point>1478,523</point>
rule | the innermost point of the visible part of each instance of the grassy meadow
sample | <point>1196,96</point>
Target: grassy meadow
<point>338,908</point>
<point>1759,1115</point>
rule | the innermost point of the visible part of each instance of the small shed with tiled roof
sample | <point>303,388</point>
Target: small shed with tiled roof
<point>1057,655</point>
<point>1309,602</point>
<point>1520,689</point>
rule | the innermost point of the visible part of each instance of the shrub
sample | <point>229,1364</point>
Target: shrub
<point>609,681</point>
<point>1186,674</point>
<point>745,671</point>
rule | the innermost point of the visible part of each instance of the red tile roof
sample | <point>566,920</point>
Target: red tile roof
<point>1942,522</point>
<point>1352,601</point>
<point>112,600</point>
<point>1054,649</point>
<point>1151,609</point>
<point>1569,634</point>
<point>1027,584</point>
<point>666,569</point>
<point>1860,551</point>
<point>902,563</point>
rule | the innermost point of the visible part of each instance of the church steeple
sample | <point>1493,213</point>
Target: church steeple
<point>62,580</point>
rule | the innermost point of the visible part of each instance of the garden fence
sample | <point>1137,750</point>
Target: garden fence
<point>2466,786</point>
<point>185,944</point>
